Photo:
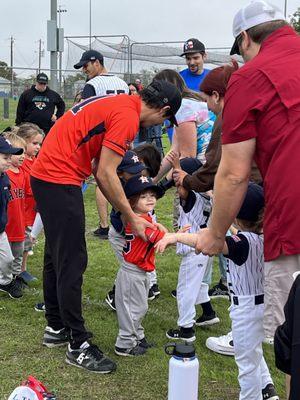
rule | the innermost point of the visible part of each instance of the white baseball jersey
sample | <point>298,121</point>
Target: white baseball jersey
<point>245,264</point>
<point>194,211</point>
<point>106,84</point>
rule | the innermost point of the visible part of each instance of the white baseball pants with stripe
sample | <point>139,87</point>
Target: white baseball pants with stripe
<point>248,334</point>
<point>190,289</point>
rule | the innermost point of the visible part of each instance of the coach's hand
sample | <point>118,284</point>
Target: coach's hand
<point>208,243</point>
<point>139,225</point>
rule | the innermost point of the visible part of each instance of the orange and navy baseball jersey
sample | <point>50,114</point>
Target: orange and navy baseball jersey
<point>78,136</point>
<point>15,228</point>
<point>139,252</point>
<point>30,204</point>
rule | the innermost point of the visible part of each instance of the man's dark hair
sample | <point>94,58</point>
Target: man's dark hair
<point>260,32</point>
<point>150,156</point>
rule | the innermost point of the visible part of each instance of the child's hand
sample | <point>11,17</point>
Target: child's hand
<point>169,238</point>
<point>161,227</point>
<point>184,229</point>
<point>176,162</point>
<point>171,156</point>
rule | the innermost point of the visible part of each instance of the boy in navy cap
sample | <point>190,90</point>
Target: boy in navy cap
<point>132,284</point>
<point>7,283</point>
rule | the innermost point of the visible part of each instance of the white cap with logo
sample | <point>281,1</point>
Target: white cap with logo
<point>255,13</point>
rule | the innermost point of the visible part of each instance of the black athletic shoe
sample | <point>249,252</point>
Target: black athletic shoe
<point>110,300</point>
<point>91,358</point>
<point>174,293</point>
<point>40,307</point>
<point>21,282</point>
<point>206,320</point>
<point>269,393</point>
<point>13,289</point>
<point>54,338</point>
<point>133,352</point>
<point>155,290</point>
<point>219,291</point>
<point>101,233</point>
<point>186,334</point>
<point>151,295</point>
<point>144,343</point>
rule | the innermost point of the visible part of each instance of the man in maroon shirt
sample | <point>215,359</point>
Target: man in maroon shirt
<point>261,120</point>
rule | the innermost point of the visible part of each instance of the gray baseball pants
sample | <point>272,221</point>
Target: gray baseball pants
<point>131,298</point>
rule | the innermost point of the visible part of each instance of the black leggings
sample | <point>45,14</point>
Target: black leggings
<point>65,259</point>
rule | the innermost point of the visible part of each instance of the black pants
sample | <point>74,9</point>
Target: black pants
<point>65,259</point>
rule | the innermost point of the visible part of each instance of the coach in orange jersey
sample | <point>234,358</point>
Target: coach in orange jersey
<point>95,132</point>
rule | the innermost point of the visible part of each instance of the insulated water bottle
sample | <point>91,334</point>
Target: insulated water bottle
<point>183,372</point>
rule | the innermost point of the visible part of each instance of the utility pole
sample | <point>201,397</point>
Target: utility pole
<point>11,65</point>
<point>90,45</point>
<point>285,8</point>
<point>53,50</point>
<point>59,11</point>
<point>40,55</point>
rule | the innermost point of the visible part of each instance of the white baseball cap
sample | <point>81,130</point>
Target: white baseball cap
<point>255,13</point>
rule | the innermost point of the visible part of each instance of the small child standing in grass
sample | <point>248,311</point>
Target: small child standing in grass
<point>33,137</point>
<point>15,228</point>
<point>132,284</point>
<point>194,211</point>
<point>245,276</point>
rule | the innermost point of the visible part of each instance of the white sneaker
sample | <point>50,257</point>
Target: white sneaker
<point>269,340</point>
<point>221,345</point>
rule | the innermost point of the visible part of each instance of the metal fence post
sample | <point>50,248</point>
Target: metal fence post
<point>5,107</point>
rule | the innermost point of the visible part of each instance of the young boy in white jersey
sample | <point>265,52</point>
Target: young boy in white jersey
<point>245,274</point>
<point>194,211</point>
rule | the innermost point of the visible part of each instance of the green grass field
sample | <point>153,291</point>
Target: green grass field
<point>144,378</point>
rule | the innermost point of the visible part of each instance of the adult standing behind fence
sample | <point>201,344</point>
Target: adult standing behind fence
<point>99,83</point>
<point>40,105</point>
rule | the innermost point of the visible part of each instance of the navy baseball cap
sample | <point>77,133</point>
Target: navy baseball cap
<point>90,55</point>
<point>193,46</point>
<point>131,163</point>
<point>190,164</point>
<point>253,203</point>
<point>7,148</point>
<point>138,184</point>
<point>168,94</point>
<point>42,78</point>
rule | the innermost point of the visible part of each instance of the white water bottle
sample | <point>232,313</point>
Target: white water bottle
<point>183,372</point>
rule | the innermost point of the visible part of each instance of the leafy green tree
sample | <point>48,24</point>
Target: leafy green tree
<point>5,71</point>
<point>295,20</point>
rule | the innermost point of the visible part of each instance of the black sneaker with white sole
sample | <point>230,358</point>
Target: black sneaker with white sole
<point>91,358</point>
<point>101,233</point>
<point>207,320</point>
<point>54,338</point>
<point>136,351</point>
<point>144,343</point>
<point>13,289</point>
<point>151,295</point>
<point>269,393</point>
<point>155,289</point>
<point>219,291</point>
<point>174,293</point>
<point>186,334</point>
<point>110,299</point>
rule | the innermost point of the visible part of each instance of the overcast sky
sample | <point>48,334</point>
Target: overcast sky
<point>151,20</point>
